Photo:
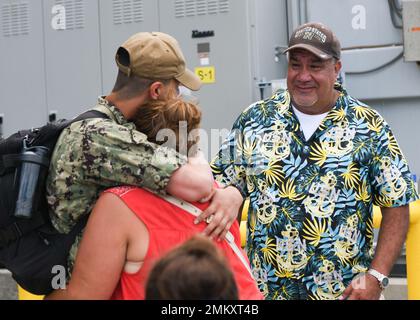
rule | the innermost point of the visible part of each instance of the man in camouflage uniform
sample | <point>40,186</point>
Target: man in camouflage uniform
<point>96,154</point>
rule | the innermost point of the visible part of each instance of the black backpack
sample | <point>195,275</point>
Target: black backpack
<point>29,245</point>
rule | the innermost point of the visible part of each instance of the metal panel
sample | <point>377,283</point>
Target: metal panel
<point>375,72</point>
<point>370,32</point>
<point>229,54</point>
<point>394,78</point>
<point>411,17</point>
<point>22,73</point>
<point>403,116</point>
<point>269,40</point>
<point>72,55</point>
<point>119,20</point>
<point>296,14</point>
<point>356,22</point>
<point>241,38</point>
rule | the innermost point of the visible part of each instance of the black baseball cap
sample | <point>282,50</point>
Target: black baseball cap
<point>316,38</point>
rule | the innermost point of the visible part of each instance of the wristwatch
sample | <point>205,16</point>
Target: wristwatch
<point>382,279</point>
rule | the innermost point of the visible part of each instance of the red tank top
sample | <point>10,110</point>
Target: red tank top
<point>168,227</point>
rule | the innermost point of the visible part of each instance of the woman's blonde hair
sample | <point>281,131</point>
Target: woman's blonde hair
<point>172,114</point>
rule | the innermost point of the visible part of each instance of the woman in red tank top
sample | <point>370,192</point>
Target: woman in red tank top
<point>128,230</point>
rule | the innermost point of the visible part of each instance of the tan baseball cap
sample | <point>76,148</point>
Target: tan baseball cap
<point>316,38</point>
<point>155,55</point>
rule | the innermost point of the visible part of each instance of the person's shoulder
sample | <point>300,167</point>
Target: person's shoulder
<point>117,196</point>
<point>120,191</point>
<point>363,110</point>
<point>88,128</point>
<point>83,132</point>
<point>277,102</point>
<point>94,125</point>
<point>103,130</point>
<point>124,192</point>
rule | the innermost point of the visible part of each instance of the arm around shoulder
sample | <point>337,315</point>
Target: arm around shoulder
<point>193,181</point>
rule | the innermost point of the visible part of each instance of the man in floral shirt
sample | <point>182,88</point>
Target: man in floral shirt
<point>313,161</point>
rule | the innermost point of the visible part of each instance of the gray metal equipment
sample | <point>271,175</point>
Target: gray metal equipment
<point>375,71</point>
<point>411,18</point>
<point>22,75</point>
<point>232,45</point>
<point>57,56</point>
<point>72,51</point>
<point>371,36</point>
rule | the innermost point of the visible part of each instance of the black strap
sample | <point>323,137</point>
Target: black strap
<point>18,229</point>
<point>11,160</point>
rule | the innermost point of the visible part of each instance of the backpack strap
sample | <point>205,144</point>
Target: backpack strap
<point>10,160</point>
<point>18,229</point>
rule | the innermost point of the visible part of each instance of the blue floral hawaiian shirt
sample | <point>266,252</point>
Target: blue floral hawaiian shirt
<point>310,225</point>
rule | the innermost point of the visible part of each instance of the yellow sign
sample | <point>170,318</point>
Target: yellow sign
<point>206,74</point>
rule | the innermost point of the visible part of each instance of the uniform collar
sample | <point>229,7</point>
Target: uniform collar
<point>112,111</point>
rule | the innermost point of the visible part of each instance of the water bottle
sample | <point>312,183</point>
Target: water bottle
<point>34,166</point>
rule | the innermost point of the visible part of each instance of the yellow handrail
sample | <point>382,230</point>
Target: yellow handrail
<point>243,224</point>
<point>25,295</point>
<point>412,249</point>
<point>412,244</point>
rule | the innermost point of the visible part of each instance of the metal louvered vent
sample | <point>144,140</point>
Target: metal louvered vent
<point>15,19</point>
<point>128,11</point>
<point>192,8</point>
<point>201,7</point>
<point>224,6</point>
<point>212,6</point>
<point>75,13</point>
